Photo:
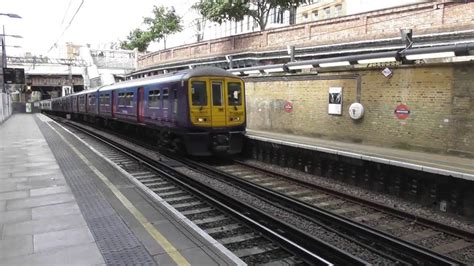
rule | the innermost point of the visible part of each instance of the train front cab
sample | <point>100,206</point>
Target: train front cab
<point>217,110</point>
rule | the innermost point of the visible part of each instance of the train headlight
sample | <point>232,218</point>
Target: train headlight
<point>235,118</point>
<point>201,119</point>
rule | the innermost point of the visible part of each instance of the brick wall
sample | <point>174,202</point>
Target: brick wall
<point>422,18</point>
<point>441,102</point>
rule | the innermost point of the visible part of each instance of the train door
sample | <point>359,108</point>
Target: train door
<point>235,102</point>
<point>218,112</point>
<point>140,105</point>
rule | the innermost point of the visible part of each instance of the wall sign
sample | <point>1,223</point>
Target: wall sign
<point>402,111</point>
<point>335,101</point>
<point>288,107</point>
<point>356,111</point>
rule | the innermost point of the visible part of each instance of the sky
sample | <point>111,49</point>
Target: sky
<point>97,22</point>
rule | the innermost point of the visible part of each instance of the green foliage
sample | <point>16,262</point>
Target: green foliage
<point>163,23</point>
<point>136,39</point>
<point>222,10</point>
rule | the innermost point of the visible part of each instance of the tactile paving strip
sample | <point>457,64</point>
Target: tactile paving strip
<point>115,240</point>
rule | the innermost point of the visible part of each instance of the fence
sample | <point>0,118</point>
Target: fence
<point>5,106</point>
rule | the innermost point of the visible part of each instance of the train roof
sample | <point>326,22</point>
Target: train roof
<point>85,91</point>
<point>170,77</point>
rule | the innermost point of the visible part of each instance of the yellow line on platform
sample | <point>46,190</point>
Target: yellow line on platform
<point>162,241</point>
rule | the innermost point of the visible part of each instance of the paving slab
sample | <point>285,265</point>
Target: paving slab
<point>49,190</point>
<point>17,246</point>
<point>85,254</point>
<point>62,209</point>
<point>43,225</point>
<point>60,239</point>
<point>14,195</point>
<point>15,216</point>
<point>39,201</point>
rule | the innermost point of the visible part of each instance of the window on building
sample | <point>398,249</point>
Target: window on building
<point>338,10</point>
<point>280,16</point>
<point>327,12</point>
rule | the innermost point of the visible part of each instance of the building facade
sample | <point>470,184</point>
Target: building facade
<point>313,10</point>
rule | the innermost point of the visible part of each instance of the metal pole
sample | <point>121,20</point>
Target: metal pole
<point>4,50</point>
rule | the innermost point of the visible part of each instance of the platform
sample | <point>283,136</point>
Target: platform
<point>428,162</point>
<point>62,203</point>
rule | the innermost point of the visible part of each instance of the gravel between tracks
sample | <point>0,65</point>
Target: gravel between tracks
<point>290,218</point>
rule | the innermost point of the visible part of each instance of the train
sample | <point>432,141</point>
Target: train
<point>199,111</point>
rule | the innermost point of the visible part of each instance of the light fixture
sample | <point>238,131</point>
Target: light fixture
<point>430,55</point>
<point>335,64</point>
<point>236,72</point>
<point>272,70</point>
<point>377,60</point>
<point>300,67</point>
<point>248,72</point>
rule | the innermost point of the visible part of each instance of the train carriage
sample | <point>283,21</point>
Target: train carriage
<point>201,111</point>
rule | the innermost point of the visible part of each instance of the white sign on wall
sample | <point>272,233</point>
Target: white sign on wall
<point>335,101</point>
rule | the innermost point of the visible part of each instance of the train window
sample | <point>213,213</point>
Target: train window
<point>81,100</point>
<point>175,101</point>
<point>104,99</point>
<point>199,93</point>
<point>129,98</point>
<point>154,98</point>
<point>91,99</point>
<point>165,99</point>
<point>234,93</point>
<point>121,99</point>
<point>216,93</point>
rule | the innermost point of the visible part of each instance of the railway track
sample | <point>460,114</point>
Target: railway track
<point>254,237</point>
<point>439,238</point>
<point>354,240</point>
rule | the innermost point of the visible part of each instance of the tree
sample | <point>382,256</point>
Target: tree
<point>164,22</point>
<point>136,39</point>
<point>222,10</point>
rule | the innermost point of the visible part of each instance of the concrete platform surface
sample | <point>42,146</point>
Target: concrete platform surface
<point>427,162</point>
<point>62,203</point>
<point>40,220</point>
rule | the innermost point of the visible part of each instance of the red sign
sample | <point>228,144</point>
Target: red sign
<point>402,111</point>
<point>288,107</point>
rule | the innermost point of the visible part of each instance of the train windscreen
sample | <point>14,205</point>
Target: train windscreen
<point>199,93</point>
<point>234,92</point>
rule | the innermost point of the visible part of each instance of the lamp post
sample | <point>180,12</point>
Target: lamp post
<point>10,15</point>
<point>4,55</point>
<point>4,52</point>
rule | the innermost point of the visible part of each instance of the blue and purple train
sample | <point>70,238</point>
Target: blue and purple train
<point>199,111</point>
